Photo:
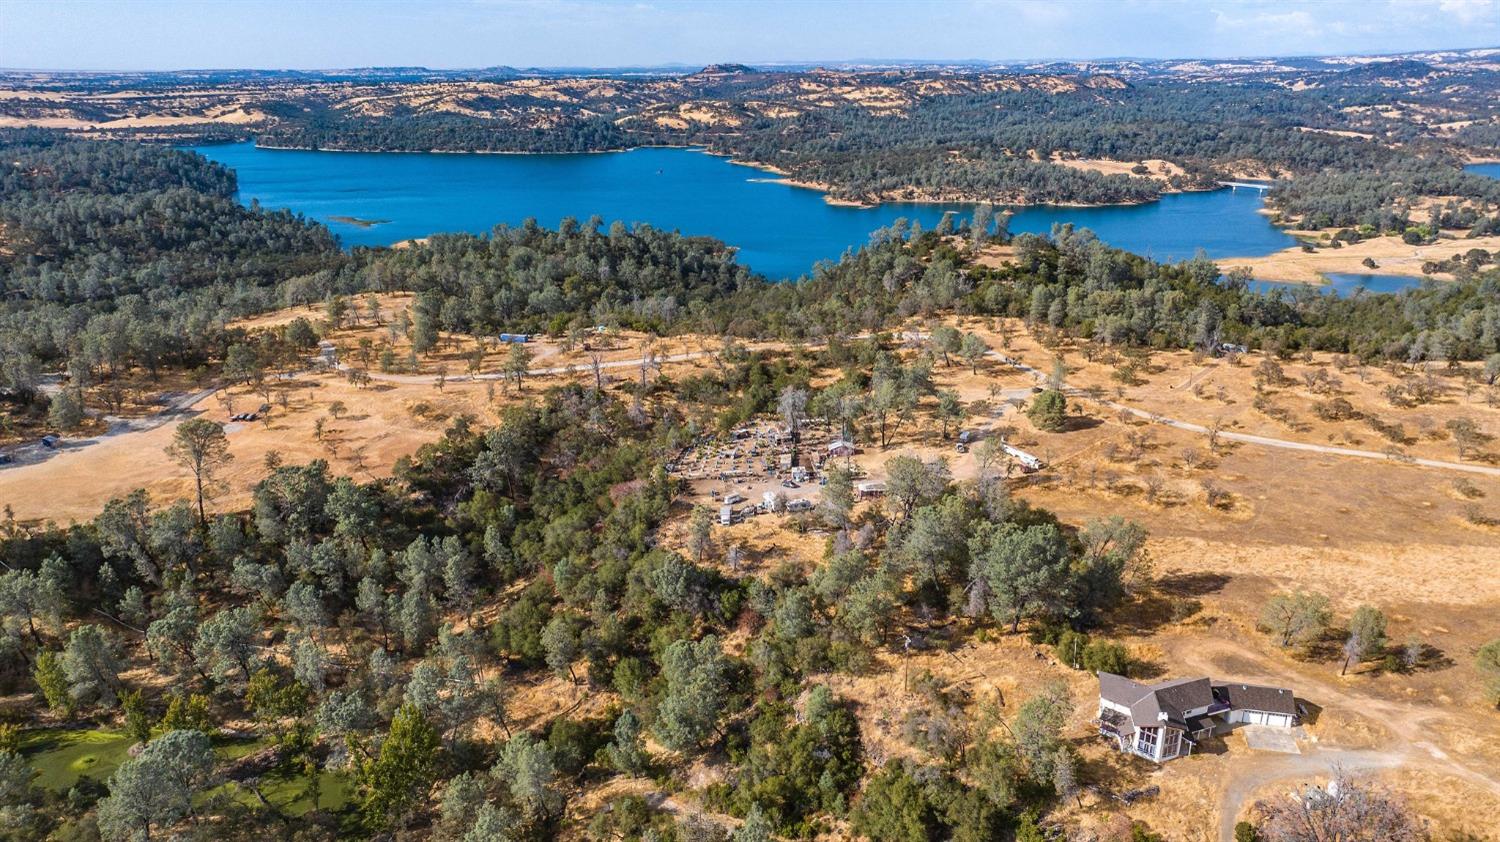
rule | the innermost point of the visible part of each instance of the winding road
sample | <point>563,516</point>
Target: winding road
<point>1265,441</point>
<point>576,368</point>
<point>179,406</point>
<point>1408,742</point>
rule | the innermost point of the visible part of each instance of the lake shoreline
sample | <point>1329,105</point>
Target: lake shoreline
<point>784,177</point>
<point>1392,258</point>
<point>779,232</point>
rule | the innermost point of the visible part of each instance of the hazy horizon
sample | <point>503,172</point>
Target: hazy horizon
<point>458,35</point>
<point>751,63</point>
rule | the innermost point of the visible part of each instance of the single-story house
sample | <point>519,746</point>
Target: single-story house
<point>869,488</point>
<point>839,447</point>
<point>1166,720</point>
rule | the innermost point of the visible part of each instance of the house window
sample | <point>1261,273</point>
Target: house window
<point>1172,744</point>
<point>1145,741</point>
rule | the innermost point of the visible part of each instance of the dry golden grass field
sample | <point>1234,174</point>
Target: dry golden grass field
<point>1231,522</point>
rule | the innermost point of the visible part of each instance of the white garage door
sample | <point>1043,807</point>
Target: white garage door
<point>1275,720</point>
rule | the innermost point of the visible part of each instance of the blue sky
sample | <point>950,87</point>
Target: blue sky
<point>172,34</point>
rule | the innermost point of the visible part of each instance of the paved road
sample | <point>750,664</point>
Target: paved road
<point>1265,441</point>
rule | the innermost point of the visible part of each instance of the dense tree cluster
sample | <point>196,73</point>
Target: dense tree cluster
<point>1379,196</point>
<point>1075,283</point>
<point>425,132</point>
<point>117,255</point>
<point>529,278</point>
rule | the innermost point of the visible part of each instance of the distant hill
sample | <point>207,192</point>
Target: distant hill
<point>724,70</point>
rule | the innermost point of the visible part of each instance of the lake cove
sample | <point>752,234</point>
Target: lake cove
<point>780,230</point>
<point>1345,284</point>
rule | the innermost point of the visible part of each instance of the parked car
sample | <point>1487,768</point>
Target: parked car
<point>786,483</point>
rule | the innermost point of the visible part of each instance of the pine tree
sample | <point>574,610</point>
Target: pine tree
<point>53,682</point>
<point>402,771</point>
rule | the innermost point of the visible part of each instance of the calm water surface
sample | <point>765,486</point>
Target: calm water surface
<point>780,230</point>
<point>1345,284</point>
<point>1491,170</point>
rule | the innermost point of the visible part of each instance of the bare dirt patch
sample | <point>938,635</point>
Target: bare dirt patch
<point>1390,254</point>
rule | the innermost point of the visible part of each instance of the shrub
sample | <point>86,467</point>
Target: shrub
<point>574,742</point>
<point>1049,411</point>
<point>517,633</point>
<point>1069,647</point>
<point>1104,656</point>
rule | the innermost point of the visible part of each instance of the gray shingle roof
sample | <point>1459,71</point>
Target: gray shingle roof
<point>1147,702</point>
<point>1255,697</point>
<point>1119,689</point>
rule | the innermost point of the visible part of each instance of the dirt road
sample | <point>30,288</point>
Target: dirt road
<point>1265,441</point>
<point>1410,741</point>
<point>178,407</point>
<point>422,379</point>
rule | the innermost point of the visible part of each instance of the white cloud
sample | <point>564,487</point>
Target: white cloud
<point>1471,11</point>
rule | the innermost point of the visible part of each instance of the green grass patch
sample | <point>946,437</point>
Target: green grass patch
<point>63,757</point>
<point>233,748</point>
<point>291,792</point>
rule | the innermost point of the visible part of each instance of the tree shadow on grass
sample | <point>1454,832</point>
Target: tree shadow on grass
<point>1174,599</point>
<point>1192,584</point>
<point>1080,422</point>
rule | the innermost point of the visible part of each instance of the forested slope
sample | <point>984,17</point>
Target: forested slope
<point>119,253</point>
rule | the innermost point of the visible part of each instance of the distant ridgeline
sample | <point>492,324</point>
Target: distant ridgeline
<point>116,255</point>
<point>1356,145</point>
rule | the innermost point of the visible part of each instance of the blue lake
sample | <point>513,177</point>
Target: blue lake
<point>1491,170</point>
<point>1345,284</point>
<point>779,230</point>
